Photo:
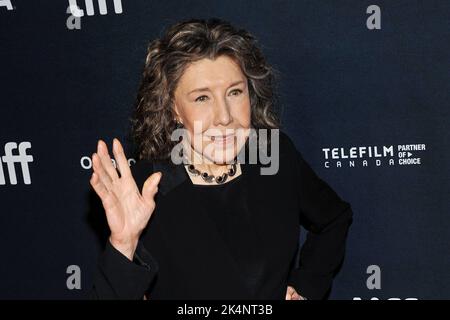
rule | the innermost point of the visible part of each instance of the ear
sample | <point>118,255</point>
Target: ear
<point>176,110</point>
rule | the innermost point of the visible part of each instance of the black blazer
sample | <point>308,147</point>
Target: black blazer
<point>180,256</point>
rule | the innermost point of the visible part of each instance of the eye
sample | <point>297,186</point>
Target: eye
<point>201,100</point>
<point>239,91</point>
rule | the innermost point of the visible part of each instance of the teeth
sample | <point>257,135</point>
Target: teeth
<point>218,138</point>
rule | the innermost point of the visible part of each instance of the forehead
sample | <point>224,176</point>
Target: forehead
<point>209,73</point>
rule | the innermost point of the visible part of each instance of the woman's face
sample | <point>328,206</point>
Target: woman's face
<point>212,101</point>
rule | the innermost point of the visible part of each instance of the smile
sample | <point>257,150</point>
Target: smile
<point>222,140</point>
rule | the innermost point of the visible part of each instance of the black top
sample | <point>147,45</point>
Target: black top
<point>238,240</point>
<point>227,209</point>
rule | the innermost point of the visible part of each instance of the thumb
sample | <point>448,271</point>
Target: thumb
<point>151,186</point>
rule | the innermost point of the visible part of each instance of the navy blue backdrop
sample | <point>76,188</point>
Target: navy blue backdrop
<point>353,77</point>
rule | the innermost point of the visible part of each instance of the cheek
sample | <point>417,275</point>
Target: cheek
<point>196,117</point>
<point>242,114</point>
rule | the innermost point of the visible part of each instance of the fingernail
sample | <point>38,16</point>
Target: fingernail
<point>157,179</point>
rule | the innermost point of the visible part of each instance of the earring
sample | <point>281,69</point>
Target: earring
<point>178,123</point>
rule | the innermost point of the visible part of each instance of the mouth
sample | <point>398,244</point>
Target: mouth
<point>222,139</point>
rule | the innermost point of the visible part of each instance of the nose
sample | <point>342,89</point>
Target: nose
<point>222,114</point>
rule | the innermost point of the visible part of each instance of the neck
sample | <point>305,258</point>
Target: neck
<point>205,165</point>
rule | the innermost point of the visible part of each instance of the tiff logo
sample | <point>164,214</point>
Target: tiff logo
<point>78,13</point>
<point>23,158</point>
<point>7,4</point>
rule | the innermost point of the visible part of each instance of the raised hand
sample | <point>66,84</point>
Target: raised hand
<point>291,294</point>
<point>127,209</point>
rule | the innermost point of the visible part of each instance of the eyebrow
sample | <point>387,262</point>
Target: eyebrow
<point>207,89</point>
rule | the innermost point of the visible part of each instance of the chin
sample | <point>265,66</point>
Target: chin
<point>223,156</point>
<point>221,160</point>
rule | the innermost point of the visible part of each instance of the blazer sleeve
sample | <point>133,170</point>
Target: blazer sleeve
<point>117,277</point>
<point>327,218</point>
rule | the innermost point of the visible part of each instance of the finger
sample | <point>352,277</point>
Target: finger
<point>295,296</point>
<point>98,168</point>
<point>121,159</point>
<point>105,158</point>
<point>98,186</point>
<point>289,292</point>
<point>151,186</point>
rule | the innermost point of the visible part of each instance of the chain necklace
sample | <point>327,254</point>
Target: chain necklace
<point>210,178</point>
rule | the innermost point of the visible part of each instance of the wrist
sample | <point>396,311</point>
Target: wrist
<point>126,247</point>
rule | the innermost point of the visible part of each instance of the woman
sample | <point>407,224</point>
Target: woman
<point>219,227</point>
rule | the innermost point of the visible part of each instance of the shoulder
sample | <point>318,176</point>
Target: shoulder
<point>141,166</point>
<point>173,174</point>
<point>291,156</point>
<point>285,139</point>
<point>286,145</point>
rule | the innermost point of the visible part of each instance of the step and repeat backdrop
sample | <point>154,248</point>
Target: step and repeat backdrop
<point>364,92</point>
